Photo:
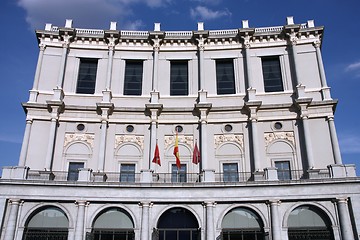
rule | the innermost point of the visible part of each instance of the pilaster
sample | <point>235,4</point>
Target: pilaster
<point>344,217</point>
<point>12,220</point>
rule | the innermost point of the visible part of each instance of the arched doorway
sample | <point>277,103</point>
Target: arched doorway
<point>113,224</point>
<point>309,222</point>
<point>178,224</point>
<point>48,223</point>
<point>242,223</point>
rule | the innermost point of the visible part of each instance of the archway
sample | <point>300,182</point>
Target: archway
<point>309,222</point>
<point>113,224</point>
<point>178,224</point>
<point>49,223</point>
<point>242,223</point>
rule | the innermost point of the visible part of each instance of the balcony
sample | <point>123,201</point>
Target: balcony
<point>86,175</point>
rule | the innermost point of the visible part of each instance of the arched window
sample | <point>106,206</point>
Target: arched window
<point>48,223</point>
<point>242,223</point>
<point>113,223</point>
<point>177,224</point>
<point>309,222</point>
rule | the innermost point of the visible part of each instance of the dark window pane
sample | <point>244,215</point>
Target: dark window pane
<point>178,175</point>
<point>231,173</point>
<point>127,173</point>
<point>133,78</point>
<point>272,74</point>
<point>225,80</point>
<point>179,78</point>
<point>73,173</point>
<point>87,76</point>
<point>283,170</point>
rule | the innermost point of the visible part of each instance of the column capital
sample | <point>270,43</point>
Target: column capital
<point>145,204</point>
<point>15,201</point>
<point>317,43</point>
<point>274,202</point>
<point>82,203</point>
<point>209,204</point>
<point>342,200</point>
<point>42,47</point>
<point>330,118</point>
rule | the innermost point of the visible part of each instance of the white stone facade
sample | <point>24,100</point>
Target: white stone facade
<point>269,153</point>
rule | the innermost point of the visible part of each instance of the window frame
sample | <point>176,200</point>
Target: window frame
<point>81,87</point>
<point>282,171</point>
<point>184,91</point>
<point>222,90</point>
<point>279,79</point>
<point>127,175</point>
<point>230,176</point>
<point>73,174</point>
<point>135,91</point>
<point>180,175</point>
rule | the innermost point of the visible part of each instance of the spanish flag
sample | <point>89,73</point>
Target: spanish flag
<point>176,152</point>
<point>156,158</point>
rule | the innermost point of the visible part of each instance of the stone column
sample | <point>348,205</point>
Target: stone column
<point>210,229</point>
<point>344,217</point>
<point>324,86</point>
<point>255,144</point>
<point>110,64</point>
<point>153,138</point>
<point>25,143</point>
<point>201,49</point>
<point>275,220</point>
<point>34,90</point>
<point>308,144</point>
<point>65,51</point>
<point>145,220</point>
<point>12,220</point>
<point>79,227</point>
<point>155,82</point>
<point>248,65</point>
<point>334,141</point>
<point>102,148</point>
<point>293,42</point>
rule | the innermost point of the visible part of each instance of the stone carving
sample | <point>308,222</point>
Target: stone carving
<point>236,138</point>
<point>72,137</point>
<point>187,140</point>
<point>270,137</point>
<point>120,139</point>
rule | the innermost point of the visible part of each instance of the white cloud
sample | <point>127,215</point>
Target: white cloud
<point>85,13</point>
<point>349,143</point>
<point>135,25</point>
<point>210,2</point>
<point>353,67</point>
<point>204,13</point>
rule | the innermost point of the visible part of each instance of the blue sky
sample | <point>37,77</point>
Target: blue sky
<point>19,50</point>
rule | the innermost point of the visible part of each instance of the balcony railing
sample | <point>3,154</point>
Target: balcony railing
<point>87,175</point>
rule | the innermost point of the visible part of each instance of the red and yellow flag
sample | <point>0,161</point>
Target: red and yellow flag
<point>156,158</point>
<point>176,152</point>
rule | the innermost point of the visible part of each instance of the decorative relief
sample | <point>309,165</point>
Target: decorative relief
<point>120,139</point>
<point>187,140</point>
<point>270,137</point>
<point>236,138</point>
<point>72,137</point>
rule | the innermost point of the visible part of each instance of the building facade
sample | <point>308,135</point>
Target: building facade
<point>108,108</point>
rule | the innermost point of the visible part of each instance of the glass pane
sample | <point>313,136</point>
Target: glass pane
<point>51,217</point>
<point>272,74</point>
<point>178,175</point>
<point>231,173</point>
<point>73,172</point>
<point>225,77</point>
<point>133,78</point>
<point>241,218</point>
<point>87,76</point>
<point>127,173</point>
<point>283,170</point>
<point>114,218</point>
<point>179,78</point>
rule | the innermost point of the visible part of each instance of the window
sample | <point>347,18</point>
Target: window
<point>127,173</point>
<point>73,173</point>
<point>179,78</point>
<point>178,175</point>
<point>133,78</point>
<point>87,76</point>
<point>225,81</point>
<point>231,173</point>
<point>283,170</point>
<point>272,74</point>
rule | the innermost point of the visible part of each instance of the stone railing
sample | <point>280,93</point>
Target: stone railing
<point>89,31</point>
<point>269,29</point>
<point>175,34</point>
<point>129,33</point>
<point>223,32</point>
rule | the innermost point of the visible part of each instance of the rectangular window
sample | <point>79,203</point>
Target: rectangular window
<point>73,172</point>
<point>283,170</point>
<point>272,74</point>
<point>87,76</point>
<point>225,80</point>
<point>133,78</point>
<point>178,175</point>
<point>231,173</point>
<point>127,173</point>
<point>179,78</point>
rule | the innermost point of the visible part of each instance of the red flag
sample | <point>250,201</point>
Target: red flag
<point>176,152</point>
<point>196,155</point>
<point>156,158</point>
